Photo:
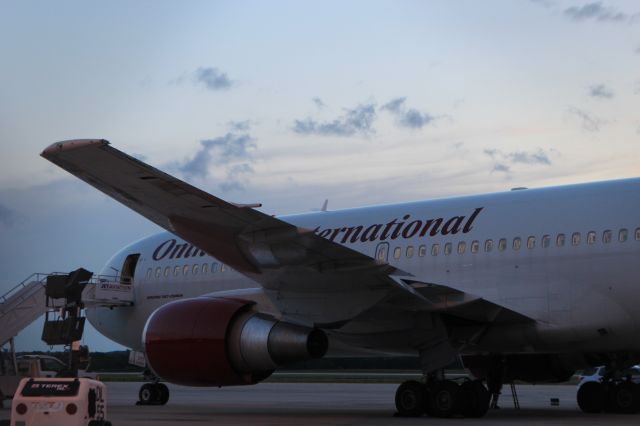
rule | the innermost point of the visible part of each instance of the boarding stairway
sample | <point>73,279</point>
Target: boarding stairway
<point>29,300</point>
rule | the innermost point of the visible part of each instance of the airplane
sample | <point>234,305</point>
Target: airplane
<point>527,284</point>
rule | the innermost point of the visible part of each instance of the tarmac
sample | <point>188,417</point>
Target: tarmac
<point>310,404</point>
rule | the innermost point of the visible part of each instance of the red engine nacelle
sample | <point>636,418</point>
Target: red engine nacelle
<point>209,341</point>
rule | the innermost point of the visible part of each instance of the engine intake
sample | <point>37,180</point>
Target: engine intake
<point>212,341</point>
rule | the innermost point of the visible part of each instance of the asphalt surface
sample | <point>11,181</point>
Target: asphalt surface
<point>310,404</point>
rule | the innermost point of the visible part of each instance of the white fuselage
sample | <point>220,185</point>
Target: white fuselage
<point>574,270</point>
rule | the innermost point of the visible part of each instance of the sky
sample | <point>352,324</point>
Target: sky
<point>291,103</point>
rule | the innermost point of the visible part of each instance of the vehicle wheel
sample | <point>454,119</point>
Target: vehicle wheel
<point>474,399</point>
<point>444,400</point>
<point>623,398</point>
<point>411,398</point>
<point>148,394</point>
<point>163,393</point>
<point>591,397</point>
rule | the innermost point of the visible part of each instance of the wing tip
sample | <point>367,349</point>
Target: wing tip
<point>71,144</point>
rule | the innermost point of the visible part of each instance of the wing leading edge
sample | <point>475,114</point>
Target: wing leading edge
<point>306,276</point>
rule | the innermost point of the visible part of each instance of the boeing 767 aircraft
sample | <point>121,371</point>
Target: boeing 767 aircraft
<point>530,285</point>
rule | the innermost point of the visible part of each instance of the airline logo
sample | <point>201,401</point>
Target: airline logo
<point>392,230</point>
<point>403,228</point>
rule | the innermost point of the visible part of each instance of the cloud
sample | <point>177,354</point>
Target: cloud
<point>590,122</point>
<point>229,156</point>
<point>212,78</point>
<point>239,126</point>
<point>7,216</point>
<point>597,12</point>
<point>544,3</point>
<point>600,91</point>
<point>358,120</point>
<point>504,160</point>
<point>410,118</point>
<point>394,105</point>
<point>318,102</point>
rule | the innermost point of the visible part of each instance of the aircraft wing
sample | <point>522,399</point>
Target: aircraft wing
<point>309,278</point>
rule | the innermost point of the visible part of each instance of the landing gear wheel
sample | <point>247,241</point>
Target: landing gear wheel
<point>149,394</point>
<point>623,398</point>
<point>591,397</point>
<point>474,399</point>
<point>163,393</point>
<point>411,398</point>
<point>444,399</point>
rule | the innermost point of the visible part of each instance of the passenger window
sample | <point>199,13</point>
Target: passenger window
<point>575,238</point>
<point>461,246</point>
<point>591,237</point>
<point>502,244</point>
<point>176,271</point>
<point>435,249</point>
<point>622,235</point>
<point>397,252</point>
<point>158,272</point>
<point>606,236</point>
<point>560,240</point>
<point>214,267</point>
<point>205,268</point>
<point>637,234</point>
<point>195,269</point>
<point>475,246</point>
<point>448,248</point>
<point>488,245</point>
<point>531,242</point>
<point>422,250</point>
<point>517,242</point>
<point>185,270</point>
<point>223,267</point>
<point>166,271</point>
<point>409,252</point>
<point>149,272</point>
<point>546,241</point>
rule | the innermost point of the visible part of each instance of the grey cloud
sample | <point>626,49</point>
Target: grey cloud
<point>7,216</point>
<point>358,120</point>
<point>394,105</point>
<point>318,102</point>
<point>241,126</point>
<point>539,157</point>
<point>597,12</point>
<point>410,118</point>
<point>499,167</point>
<point>213,78</point>
<point>600,91</point>
<point>590,122</point>
<point>544,3</point>
<point>230,153</point>
<point>503,160</point>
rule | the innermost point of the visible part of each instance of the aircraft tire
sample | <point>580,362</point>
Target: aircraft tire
<point>591,397</point>
<point>411,399</point>
<point>148,394</point>
<point>444,399</point>
<point>163,393</point>
<point>623,398</point>
<point>474,399</point>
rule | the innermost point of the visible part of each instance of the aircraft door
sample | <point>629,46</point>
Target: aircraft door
<point>382,253</point>
<point>129,268</point>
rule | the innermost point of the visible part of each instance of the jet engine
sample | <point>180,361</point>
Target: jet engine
<point>213,341</point>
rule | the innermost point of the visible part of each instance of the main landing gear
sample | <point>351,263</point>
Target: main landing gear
<point>442,398</point>
<point>610,395</point>
<point>153,394</point>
